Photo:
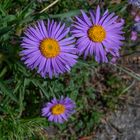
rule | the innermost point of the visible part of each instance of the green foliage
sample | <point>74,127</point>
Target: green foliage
<point>23,92</point>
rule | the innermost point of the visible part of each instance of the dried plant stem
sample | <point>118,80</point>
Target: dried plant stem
<point>49,6</point>
<point>129,72</point>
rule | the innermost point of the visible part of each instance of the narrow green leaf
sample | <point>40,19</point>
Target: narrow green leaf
<point>9,18</point>
<point>38,84</point>
<point>4,30</point>
<point>7,92</point>
<point>65,15</point>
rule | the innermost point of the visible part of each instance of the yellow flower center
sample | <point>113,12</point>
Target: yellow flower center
<point>58,109</point>
<point>49,48</point>
<point>97,33</point>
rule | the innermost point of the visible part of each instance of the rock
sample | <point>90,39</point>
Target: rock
<point>123,124</point>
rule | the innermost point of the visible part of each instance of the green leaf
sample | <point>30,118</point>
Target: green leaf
<point>7,92</point>
<point>38,84</point>
<point>66,15</point>
<point>9,18</point>
<point>4,30</point>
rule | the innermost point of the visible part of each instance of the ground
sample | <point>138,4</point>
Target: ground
<point>124,123</point>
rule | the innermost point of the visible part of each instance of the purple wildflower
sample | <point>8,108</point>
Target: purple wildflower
<point>136,27</point>
<point>134,35</point>
<point>98,35</point>
<point>137,18</point>
<point>134,2</point>
<point>59,110</point>
<point>120,20</point>
<point>47,49</point>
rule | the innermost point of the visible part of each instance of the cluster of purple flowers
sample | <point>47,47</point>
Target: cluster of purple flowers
<point>134,2</point>
<point>47,48</point>
<point>136,27</point>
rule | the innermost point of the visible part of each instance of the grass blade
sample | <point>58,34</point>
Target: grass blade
<point>7,92</point>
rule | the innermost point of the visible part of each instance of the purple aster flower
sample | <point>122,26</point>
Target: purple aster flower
<point>136,27</point>
<point>134,36</point>
<point>98,35</point>
<point>137,18</point>
<point>120,20</point>
<point>59,110</point>
<point>47,49</point>
<point>134,2</point>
